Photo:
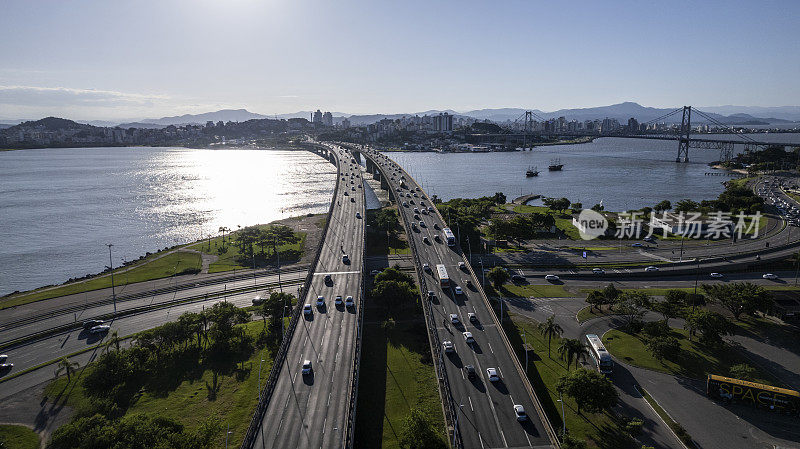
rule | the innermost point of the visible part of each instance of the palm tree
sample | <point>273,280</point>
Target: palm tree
<point>65,364</point>
<point>113,339</point>
<point>223,230</point>
<point>550,329</point>
<point>578,350</point>
<point>564,351</point>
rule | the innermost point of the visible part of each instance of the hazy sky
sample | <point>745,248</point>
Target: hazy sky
<point>113,59</point>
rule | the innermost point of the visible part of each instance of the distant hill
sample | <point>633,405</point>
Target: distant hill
<point>53,124</point>
<point>141,125</point>
<point>225,115</point>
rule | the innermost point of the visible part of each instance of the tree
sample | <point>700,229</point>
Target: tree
<point>550,329</point>
<point>711,325</point>
<point>417,433</point>
<point>591,390</point>
<point>686,205</point>
<point>576,207</point>
<point>498,276</point>
<point>595,299</point>
<point>633,427</point>
<point>66,365</point>
<point>662,206</point>
<point>666,308</point>
<point>743,371</point>
<point>632,305</point>
<point>663,346</point>
<point>223,230</point>
<point>499,198</point>
<point>114,340</point>
<point>572,348</point>
<point>598,207</point>
<point>740,297</point>
<point>611,293</point>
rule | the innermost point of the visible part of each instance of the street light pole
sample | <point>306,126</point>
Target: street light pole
<point>111,267</point>
<point>563,418</point>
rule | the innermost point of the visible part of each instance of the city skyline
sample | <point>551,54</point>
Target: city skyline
<point>124,60</point>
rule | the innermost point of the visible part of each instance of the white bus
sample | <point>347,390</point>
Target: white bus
<point>449,237</point>
<point>444,279</point>
<point>601,357</point>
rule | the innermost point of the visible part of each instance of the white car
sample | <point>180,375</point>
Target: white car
<point>468,337</point>
<point>454,319</point>
<point>598,271</point>
<point>716,275</point>
<point>375,272</point>
<point>320,301</point>
<point>519,412</point>
<point>307,309</point>
<point>448,346</point>
<point>551,277</point>
<point>651,268</point>
<point>769,276</point>
<point>307,367</point>
<point>4,366</point>
<point>458,290</point>
<point>492,374</point>
<point>348,302</point>
<point>338,300</point>
<point>100,329</point>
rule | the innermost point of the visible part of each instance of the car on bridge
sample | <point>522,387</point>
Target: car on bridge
<point>519,412</point>
<point>103,328</point>
<point>637,245</point>
<point>492,374</point>
<point>454,319</point>
<point>320,301</point>
<point>651,269</point>
<point>448,346</point>
<point>307,310</point>
<point>345,258</point>
<point>598,271</point>
<point>458,290</point>
<point>307,368</point>
<point>338,300</point>
<point>717,275</point>
<point>551,278</point>
<point>470,371</point>
<point>468,337</point>
<point>348,302</point>
<point>769,276</point>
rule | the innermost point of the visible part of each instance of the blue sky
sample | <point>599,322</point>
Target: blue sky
<point>113,59</point>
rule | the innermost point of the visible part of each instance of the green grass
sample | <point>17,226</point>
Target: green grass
<point>741,182</point>
<point>776,333</point>
<point>530,290</point>
<point>151,268</point>
<point>189,403</point>
<point>694,360</point>
<point>526,209</point>
<point>591,248</point>
<point>229,254</point>
<point>18,437</point>
<point>589,312</point>
<point>599,429</point>
<point>396,375</point>
<point>376,241</point>
<point>566,226</point>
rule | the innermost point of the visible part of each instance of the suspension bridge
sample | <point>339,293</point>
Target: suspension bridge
<point>683,134</point>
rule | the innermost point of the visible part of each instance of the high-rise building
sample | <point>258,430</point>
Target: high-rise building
<point>317,117</point>
<point>443,123</point>
<point>327,119</point>
<point>345,123</point>
<point>633,125</point>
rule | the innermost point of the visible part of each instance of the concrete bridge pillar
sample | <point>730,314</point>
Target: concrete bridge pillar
<point>384,183</point>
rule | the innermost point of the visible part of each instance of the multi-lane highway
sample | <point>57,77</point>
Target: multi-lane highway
<point>484,408</point>
<point>311,410</point>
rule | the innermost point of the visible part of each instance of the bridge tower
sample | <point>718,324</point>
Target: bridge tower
<point>528,128</point>
<point>683,137</point>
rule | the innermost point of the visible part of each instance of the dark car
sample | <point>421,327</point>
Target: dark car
<point>469,370</point>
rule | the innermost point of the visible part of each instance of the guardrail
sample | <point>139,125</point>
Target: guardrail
<point>351,413</point>
<point>433,338</point>
<point>145,294</point>
<point>128,312</point>
<point>280,357</point>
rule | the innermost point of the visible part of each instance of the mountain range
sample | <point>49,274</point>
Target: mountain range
<point>729,115</point>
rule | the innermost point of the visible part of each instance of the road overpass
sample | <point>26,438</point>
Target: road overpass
<point>316,410</point>
<point>480,413</point>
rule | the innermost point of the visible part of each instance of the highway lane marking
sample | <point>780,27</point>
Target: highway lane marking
<point>470,403</point>
<point>480,438</point>
<point>490,347</point>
